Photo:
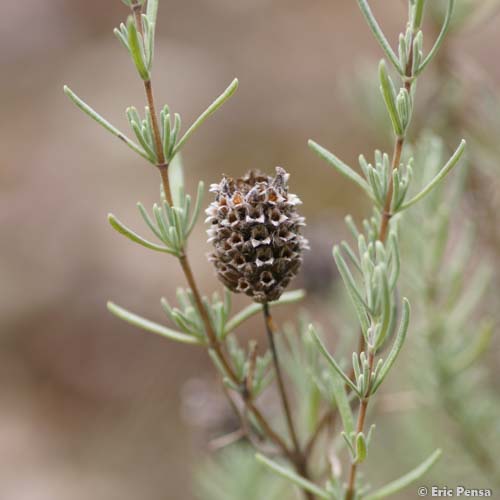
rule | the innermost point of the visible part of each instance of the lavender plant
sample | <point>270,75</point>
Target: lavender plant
<point>258,246</point>
<point>449,300</point>
<point>449,285</point>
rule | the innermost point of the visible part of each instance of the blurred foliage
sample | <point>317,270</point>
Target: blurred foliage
<point>234,474</point>
<point>454,329</point>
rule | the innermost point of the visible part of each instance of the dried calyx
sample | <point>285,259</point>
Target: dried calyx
<point>255,229</point>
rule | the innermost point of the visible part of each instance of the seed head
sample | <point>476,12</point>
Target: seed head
<point>255,230</point>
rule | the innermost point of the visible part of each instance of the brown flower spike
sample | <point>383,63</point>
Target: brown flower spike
<point>256,234</point>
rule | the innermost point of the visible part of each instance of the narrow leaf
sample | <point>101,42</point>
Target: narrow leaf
<point>387,89</point>
<point>379,35</point>
<point>136,49</point>
<point>166,132</point>
<point>140,134</point>
<point>149,41</point>
<point>221,368</point>
<point>352,256</point>
<point>405,480</point>
<point>197,208</point>
<point>361,450</point>
<point>149,221</point>
<point>123,39</point>
<point>293,477</point>
<point>359,304</point>
<point>344,169</point>
<point>209,111</point>
<point>396,348</point>
<point>131,235</point>
<point>395,258</point>
<point>343,405</point>
<point>174,134</point>
<point>331,360</point>
<point>162,227</point>
<point>452,162</point>
<point>352,227</point>
<point>104,123</point>
<point>176,179</point>
<point>418,14</point>
<point>150,326</point>
<point>440,38</point>
<point>152,11</point>
<point>381,271</point>
<point>348,442</point>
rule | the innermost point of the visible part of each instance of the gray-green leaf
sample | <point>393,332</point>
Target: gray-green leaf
<point>406,480</point>
<point>150,326</point>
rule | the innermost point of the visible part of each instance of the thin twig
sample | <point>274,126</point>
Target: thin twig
<point>386,214</point>
<point>270,329</point>
<point>148,87</point>
<point>226,440</point>
<point>252,363</point>
<point>300,460</point>
<point>212,338</point>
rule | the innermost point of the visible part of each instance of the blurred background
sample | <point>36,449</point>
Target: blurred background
<point>90,407</point>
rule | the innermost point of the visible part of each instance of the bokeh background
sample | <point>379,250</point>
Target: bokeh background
<point>90,407</point>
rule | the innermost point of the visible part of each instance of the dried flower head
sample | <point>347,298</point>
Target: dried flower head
<point>256,234</point>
